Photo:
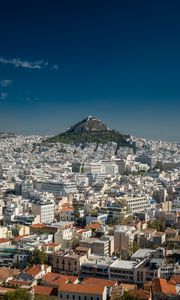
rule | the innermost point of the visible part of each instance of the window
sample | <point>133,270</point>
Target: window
<point>97,298</point>
<point>73,297</point>
<point>85,298</point>
<point>60,295</point>
<point>67,296</point>
<point>79,297</point>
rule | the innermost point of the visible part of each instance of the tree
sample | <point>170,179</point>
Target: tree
<point>135,247</point>
<point>15,230</point>
<point>128,296</point>
<point>76,211</point>
<point>158,224</point>
<point>37,257</point>
<point>75,242</point>
<point>19,294</point>
<point>81,222</point>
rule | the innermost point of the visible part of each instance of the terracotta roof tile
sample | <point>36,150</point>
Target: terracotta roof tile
<point>56,279</point>
<point>82,289</point>
<point>20,237</point>
<point>176,279</point>
<point>20,282</point>
<point>49,277</point>
<point>94,226</point>
<point>160,285</point>
<point>98,281</point>
<point>43,290</point>
<point>33,271</point>
<point>38,226</point>
<point>5,273</point>
<point>4,240</point>
<point>64,279</point>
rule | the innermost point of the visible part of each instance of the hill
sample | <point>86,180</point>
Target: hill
<point>89,124</point>
<point>5,135</point>
<point>90,130</point>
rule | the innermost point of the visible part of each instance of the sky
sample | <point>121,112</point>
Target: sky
<point>63,60</point>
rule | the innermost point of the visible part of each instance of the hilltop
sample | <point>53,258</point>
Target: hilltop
<point>90,130</point>
<point>89,124</point>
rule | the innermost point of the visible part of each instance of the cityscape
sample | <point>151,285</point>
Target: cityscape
<point>89,220</point>
<point>89,150</point>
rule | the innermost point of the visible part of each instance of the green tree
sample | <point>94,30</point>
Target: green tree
<point>81,222</point>
<point>128,296</point>
<point>15,230</point>
<point>37,257</point>
<point>158,224</point>
<point>135,247</point>
<point>19,294</point>
<point>75,242</point>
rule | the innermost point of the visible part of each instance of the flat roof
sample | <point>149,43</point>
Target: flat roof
<point>124,264</point>
<point>141,253</point>
<point>59,224</point>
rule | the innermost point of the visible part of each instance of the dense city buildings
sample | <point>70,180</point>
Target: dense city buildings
<point>91,221</point>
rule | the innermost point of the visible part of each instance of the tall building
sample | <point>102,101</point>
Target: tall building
<point>148,160</point>
<point>45,210</point>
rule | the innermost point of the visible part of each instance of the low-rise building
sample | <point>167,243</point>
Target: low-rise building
<point>67,263</point>
<point>80,291</point>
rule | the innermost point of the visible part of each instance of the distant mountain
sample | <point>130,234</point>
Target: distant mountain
<point>90,130</point>
<point>4,135</point>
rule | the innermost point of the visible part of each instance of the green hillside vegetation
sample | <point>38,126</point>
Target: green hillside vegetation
<point>100,137</point>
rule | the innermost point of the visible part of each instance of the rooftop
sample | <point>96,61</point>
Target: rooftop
<point>141,253</point>
<point>82,289</point>
<point>124,264</point>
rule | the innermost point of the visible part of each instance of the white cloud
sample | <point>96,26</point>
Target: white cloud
<point>6,82</point>
<point>3,96</point>
<point>18,62</point>
<point>38,65</point>
<point>55,67</point>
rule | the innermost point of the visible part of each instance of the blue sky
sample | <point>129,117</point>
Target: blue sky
<point>117,60</point>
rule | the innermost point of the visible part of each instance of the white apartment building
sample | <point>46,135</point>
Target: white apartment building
<point>45,210</point>
<point>63,237</point>
<point>92,168</point>
<point>138,204</point>
<point>136,272</point>
<point>109,168</point>
<point>56,187</point>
